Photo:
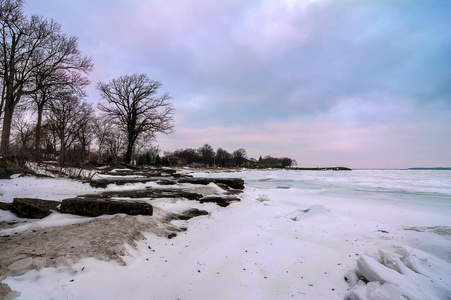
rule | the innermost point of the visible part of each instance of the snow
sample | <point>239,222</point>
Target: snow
<point>43,188</point>
<point>300,235</point>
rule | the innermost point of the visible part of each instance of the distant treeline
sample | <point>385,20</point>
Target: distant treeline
<point>206,156</point>
<point>436,168</point>
<point>323,169</point>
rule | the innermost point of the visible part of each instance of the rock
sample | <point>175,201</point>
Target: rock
<point>150,193</point>
<point>97,207</point>
<point>6,206</point>
<point>166,182</point>
<point>234,183</point>
<point>222,201</point>
<point>191,213</point>
<point>137,171</point>
<point>103,183</point>
<point>33,208</point>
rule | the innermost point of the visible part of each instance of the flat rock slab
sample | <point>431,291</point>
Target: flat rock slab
<point>96,207</point>
<point>234,183</point>
<point>103,183</point>
<point>222,201</point>
<point>191,213</point>
<point>150,193</point>
<point>33,208</point>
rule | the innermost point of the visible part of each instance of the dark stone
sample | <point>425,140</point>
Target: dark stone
<point>191,213</point>
<point>97,207</point>
<point>103,183</point>
<point>234,183</point>
<point>166,182</point>
<point>150,193</point>
<point>195,180</point>
<point>219,200</point>
<point>6,206</point>
<point>33,208</point>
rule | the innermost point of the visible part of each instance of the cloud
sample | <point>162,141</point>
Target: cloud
<point>343,80</point>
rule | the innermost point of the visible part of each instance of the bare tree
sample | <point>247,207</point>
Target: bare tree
<point>85,130</point>
<point>223,157</point>
<point>67,116</point>
<point>101,129</point>
<point>153,151</point>
<point>115,144</point>
<point>207,154</point>
<point>132,103</point>
<point>239,156</point>
<point>22,127</point>
<point>34,54</point>
<point>49,89</point>
<point>188,155</point>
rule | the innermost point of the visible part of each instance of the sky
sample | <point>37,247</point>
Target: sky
<point>362,84</point>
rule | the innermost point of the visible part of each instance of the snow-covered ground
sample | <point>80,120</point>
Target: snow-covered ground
<point>294,235</point>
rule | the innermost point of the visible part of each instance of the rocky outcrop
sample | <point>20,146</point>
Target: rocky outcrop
<point>96,207</point>
<point>103,183</point>
<point>92,207</point>
<point>150,193</point>
<point>234,183</point>
<point>159,178</point>
<point>169,179</point>
<point>103,203</point>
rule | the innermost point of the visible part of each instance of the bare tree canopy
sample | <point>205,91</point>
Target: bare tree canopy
<point>34,54</point>
<point>69,119</point>
<point>132,102</point>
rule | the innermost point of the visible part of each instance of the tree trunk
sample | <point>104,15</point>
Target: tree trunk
<point>7,121</point>
<point>62,150</point>
<point>128,154</point>
<point>37,144</point>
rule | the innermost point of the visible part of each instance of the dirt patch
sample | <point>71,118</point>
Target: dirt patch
<point>103,239</point>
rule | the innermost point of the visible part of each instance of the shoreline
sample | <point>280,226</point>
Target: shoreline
<point>188,170</point>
